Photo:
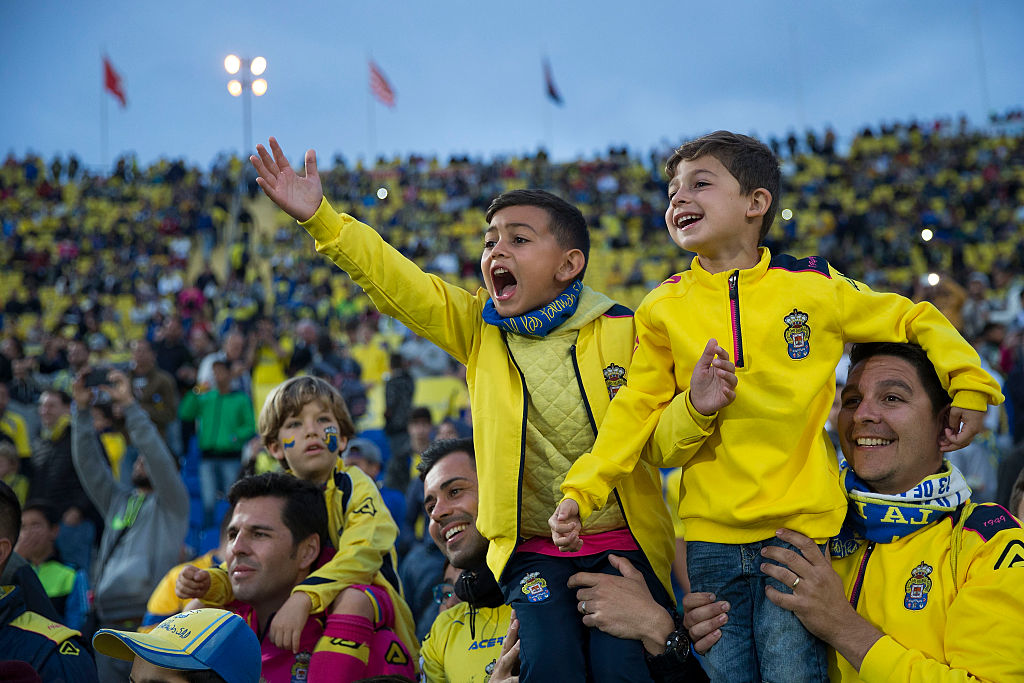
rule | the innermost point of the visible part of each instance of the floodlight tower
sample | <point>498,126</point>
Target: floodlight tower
<point>247,69</point>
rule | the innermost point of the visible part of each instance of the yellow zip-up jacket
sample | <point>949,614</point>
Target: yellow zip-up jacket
<point>450,654</point>
<point>765,462</point>
<point>950,599</point>
<point>451,317</point>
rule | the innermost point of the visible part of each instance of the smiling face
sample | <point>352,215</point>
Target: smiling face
<point>310,442</point>
<point>451,498</point>
<point>264,562</point>
<point>888,428</point>
<point>709,215</point>
<point>523,265</point>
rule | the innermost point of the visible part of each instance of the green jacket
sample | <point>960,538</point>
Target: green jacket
<point>226,421</point>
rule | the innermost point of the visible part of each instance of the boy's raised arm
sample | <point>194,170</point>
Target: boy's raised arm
<point>298,196</point>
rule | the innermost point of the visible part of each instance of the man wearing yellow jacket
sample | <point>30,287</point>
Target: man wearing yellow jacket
<point>926,585</point>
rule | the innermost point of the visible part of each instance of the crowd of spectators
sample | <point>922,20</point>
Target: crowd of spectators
<point>134,268</point>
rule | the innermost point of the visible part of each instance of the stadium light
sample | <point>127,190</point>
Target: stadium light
<point>243,85</point>
<point>927,235</point>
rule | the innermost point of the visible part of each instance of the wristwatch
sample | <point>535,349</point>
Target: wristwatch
<point>677,649</point>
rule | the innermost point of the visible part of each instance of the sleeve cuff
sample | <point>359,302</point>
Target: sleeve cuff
<point>973,400</point>
<point>702,421</point>
<point>322,225</point>
<point>881,659</point>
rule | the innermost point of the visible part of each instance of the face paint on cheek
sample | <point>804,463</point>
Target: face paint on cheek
<point>331,438</point>
<point>288,443</point>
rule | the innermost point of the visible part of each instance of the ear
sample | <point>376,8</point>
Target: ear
<point>308,551</point>
<point>760,200</point>
<point>572,265</point>
<point>277,450</point>
<point>6,548</point>
<point>941,423</point>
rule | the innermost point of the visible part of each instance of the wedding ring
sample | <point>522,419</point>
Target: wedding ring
<point>796,583</point>
<point>583,607</point>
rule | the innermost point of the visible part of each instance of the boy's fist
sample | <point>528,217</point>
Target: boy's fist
<point>566,526</point>
<point>964,424</point>
<point>192,582</point>
<point>713,383</point>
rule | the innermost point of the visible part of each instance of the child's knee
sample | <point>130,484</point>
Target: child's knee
<point>353,601</point>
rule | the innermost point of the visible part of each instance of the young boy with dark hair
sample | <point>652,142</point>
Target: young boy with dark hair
<point>544,356</point>
<point>305,425</point>
<point>751,443</point>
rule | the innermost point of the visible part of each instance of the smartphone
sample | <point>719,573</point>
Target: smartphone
<point>98,377</point>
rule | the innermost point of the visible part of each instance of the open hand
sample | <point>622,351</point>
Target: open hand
<point>286,628</point>
<point>713,383</point>
<point>298,196</point>
<point>566,526</point>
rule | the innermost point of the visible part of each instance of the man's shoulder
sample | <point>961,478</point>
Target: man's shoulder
<point>988,534</point>
<point>987,520</point>
<point>813,265</point>
<point>31,622</point>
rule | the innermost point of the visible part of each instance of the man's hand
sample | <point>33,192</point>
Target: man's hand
<point>507,665</point>
<point>713,383</point>
<point>286,628</point>
<point>622,606</point>
<point>566,526</point>
<point>298,196</point>
<point>964,424</point>
<point>192,582</point>
<point>81,393</point>
<point>818,598</point>
<point>704,618</point>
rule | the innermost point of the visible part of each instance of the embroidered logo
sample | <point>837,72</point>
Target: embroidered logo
<point>300,669</point>
<point>797,335</point>
<point>917,587</point>
<point>614,379</point>
<point>366,508</point>
<point>534,587</point>
<point>1013,556</point>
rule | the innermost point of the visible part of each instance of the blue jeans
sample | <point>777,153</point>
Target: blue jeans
<point>761,641</point>
<point>554,644</point>
<point>216,475</point>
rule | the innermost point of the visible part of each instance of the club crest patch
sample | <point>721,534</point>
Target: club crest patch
<point>534,587</point>
<point>614,379</point>
<point>917,587</point>
<point>797,335</point>
<point>331,438</point>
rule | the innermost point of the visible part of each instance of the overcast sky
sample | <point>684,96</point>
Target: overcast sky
<point>468,76</point>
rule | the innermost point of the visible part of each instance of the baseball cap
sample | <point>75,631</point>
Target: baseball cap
<point>363,448</point>
<point>191,641</point>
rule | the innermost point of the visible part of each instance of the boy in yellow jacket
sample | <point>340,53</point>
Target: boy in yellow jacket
<point>754,453</point>
<point>544,356</point>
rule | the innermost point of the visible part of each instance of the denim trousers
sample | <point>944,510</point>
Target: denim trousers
<point>761,641</point>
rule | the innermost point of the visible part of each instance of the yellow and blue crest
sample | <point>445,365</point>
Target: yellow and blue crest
<point>917,587</point>
<point>797,335</point>
<point>614,379</point>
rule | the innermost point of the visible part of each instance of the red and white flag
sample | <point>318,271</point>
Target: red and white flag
<point>380,87</point>
<point>112,82</point>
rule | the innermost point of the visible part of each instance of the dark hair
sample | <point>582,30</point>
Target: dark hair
<point>913,354</point>
<point>10,514</point>
<point>433,453</point>
<point>567,222</point>
<point>45,509</point>
<point>63,396</point>
<point>305,511</point>
<point>421,413</point>
<point>751,162</point>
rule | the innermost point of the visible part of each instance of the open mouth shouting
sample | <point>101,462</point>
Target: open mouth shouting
<point>503,282</point>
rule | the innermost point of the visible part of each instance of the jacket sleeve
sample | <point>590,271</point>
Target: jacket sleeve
<point>982,636</point>
<point>368,535</point>
<point>70,662</point>
<point>90,463</point>
<point>868,316</point>
<point>443,313</point>
<point>680,433</point>
<point>188,408</point>
<point>160,466</point>
<point>245,427</point>
<point>631,418</point>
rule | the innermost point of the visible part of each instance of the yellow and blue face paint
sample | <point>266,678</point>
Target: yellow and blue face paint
<point>288,443</point>
<point>331,438</point>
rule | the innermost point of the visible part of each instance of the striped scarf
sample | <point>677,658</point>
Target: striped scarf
<point>541,321</point>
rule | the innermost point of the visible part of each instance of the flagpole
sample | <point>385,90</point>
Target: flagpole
<point>103,119</point>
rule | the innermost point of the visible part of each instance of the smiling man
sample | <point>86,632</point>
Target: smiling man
<point>923,585</point>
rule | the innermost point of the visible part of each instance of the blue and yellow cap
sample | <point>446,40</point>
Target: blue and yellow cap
<point>191,641</point>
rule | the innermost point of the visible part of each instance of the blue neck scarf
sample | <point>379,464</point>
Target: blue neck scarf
<point>540,322</point>
<point>888,518</point>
